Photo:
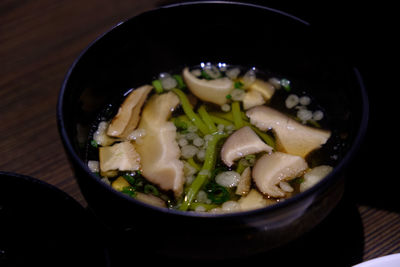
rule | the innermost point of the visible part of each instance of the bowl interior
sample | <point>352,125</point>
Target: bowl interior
<point>133,52</point>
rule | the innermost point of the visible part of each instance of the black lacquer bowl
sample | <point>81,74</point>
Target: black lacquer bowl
<point>134,51</point>
<point>40,225</point>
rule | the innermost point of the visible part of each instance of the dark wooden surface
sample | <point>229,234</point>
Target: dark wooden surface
<point>39,40</point>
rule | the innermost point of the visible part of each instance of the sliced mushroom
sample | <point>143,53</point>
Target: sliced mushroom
<point>241,143</point>
<point>291,136</point>
<point>244,184</point>
<point>214,91</point>
<point>158,149</point>
<point>128,114</point>
<point>313,176</point>
<point>121,156</point>
<point>271,169</point>
<point>253,200</point>
<point>252,99</point>
<point>101,137</point>
<point>266,89</point>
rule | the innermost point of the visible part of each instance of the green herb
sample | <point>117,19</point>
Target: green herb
<point>94,144</point>
<point>297,180</point>
<point>179,124</point>
<point>239,85</point>
<point>129,190</point>
<point>250,157</point>
<point>219,120</point>
<point>207,119</point>
<point>193,164</point>
<point>241,166</point>
<point>158,86</point>
<point>129,179</point>
<point>285,83</point>
<point>268,139</point>
<point>314,123</point>
<point>179,80</point>
<point>229,96</point>
<point>237,115</point>
<point>187,108</point>
<point>205,75</point>
<point>151,189</point>
<point>217,193</point>
<point>204,175</point>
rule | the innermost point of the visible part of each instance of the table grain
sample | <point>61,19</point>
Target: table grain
<point>39,40</point>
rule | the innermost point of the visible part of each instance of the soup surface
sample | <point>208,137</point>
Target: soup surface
<point>212,138</point>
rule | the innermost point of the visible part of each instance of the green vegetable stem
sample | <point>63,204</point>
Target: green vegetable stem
<point>205,172</point>
<point>207,119</point>
<point>237,115</point>
<point>158,86</point>
<point>187,108</point>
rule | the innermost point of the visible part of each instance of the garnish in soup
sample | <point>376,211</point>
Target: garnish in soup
<point>213,138</point>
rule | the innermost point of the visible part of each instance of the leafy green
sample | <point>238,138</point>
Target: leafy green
<point>179,80</point>
<point>285,83</point>
<point>129,190</point>
<point>158,86</point>
<point>205,75</point>
<point>217,193</point>
<point>94,144</point>
<point>151,189</point>
<point>238,85</point>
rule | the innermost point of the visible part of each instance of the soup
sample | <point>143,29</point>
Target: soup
<point>212,138</point>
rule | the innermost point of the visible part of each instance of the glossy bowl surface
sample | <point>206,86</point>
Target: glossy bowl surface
<point>133,52</point>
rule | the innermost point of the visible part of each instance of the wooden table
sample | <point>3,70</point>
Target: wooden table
<point>39,40</point>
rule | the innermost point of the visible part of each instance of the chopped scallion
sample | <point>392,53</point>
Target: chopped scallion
<point>94,144</point>
<point>179,80</point>
<point>239,85</point>
<point>158,86</point>
<point>285,83</point>
<point>151,189</point>
<point>129,190</point>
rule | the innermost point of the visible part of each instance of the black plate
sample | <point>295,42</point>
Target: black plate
<point>42,226</point>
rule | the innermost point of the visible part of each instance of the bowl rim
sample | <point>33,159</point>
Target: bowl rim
<point>354,147</point>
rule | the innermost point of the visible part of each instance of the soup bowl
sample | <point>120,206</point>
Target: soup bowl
<point>133,52</point>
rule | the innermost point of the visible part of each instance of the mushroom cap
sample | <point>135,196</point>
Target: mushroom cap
<point>273,168</point>
<point>121,156</point>
<point>241,143</point>
<point>266,89</point>
<point>158,149</point>
<point>128,114</point>
<point>252,98</point>
<point>291,136</point>
<point>214,91</point>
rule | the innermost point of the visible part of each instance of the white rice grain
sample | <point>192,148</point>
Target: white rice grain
<point>228,179</point>
<point>291,101</point>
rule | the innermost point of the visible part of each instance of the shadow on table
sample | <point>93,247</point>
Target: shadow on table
<point>336,242</point>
